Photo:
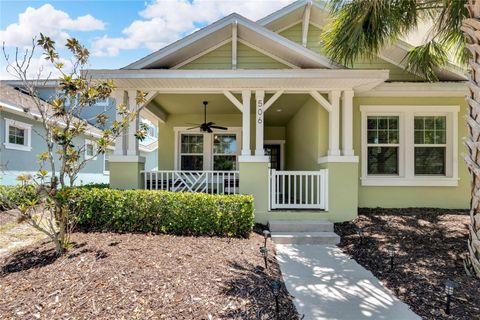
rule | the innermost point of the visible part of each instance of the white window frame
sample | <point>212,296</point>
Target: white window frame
<point>105,171</point>
<point>406,176</point>
<point>87,143</point>
<point>27,146</point>
<point>207,144</point>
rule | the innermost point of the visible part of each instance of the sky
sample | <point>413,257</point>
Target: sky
<point>115,32</point>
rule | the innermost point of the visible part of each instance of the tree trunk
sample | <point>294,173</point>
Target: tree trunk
<point>471,29</point>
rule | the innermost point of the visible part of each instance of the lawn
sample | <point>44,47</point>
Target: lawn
<point>430,245</point>
<point>138,276</point>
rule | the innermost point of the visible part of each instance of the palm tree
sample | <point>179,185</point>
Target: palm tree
<point>362,28</point>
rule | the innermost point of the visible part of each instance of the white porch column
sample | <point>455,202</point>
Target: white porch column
<point>347,123</point>
<point>334,124</point>
<point>259,96</point>
<point>132,141</point>
<point>119,97</point>
<point>246,94</point>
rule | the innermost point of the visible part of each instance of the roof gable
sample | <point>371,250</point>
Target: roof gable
<point>220,31</point>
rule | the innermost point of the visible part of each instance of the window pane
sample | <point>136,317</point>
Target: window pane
<point>430,160</point>
<point>225,144</point>
<point>192,143</point>
<point>16,135</point>
<point>89,150</point>
<point>383,160</point>
<point>224,162</point>
<point>430,130</point>
<point>191,162</point>
<point>383,129</point>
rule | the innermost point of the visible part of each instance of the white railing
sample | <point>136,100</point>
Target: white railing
<point>298,189</point>
<point>212,182</point>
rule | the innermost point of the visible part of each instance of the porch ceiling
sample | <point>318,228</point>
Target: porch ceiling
<point>277,115</point>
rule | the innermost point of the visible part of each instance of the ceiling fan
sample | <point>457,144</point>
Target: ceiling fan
<point>207,126</point>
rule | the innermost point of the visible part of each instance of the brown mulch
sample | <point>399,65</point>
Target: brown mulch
<point>430,245</point>
<point>138,276</point>
<point>8,216</point>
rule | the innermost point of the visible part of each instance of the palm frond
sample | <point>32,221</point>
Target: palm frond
<point>424,59</point>
<point>361,28</point>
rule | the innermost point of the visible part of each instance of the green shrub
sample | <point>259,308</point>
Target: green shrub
<point>161,211</point>
<point>14,196</point>
<point>95,186</point>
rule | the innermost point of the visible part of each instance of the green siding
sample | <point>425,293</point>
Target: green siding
<point>294,33</point>
<point>247,58</point>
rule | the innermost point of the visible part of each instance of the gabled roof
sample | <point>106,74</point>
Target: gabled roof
<point>319,17</point>
<point>221,31</point>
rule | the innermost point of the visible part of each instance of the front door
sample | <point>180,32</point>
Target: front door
<point>273,152</point>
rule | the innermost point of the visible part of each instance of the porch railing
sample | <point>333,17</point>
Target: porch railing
<point>298,189</point>
<point>212,182</point>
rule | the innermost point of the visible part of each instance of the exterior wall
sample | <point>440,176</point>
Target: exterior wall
<point>400,197</point>
<point>307,137</point>
<point>247,58</point>
<point>294,33</point>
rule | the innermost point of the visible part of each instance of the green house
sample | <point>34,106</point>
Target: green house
<point>307,137</point>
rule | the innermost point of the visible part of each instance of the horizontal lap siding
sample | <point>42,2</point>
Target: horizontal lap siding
<point>314,43</point>
<point>247,58</point>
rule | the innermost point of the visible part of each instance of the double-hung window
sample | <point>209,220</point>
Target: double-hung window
<point>18,135</point>
<point>207,151</point>
<point>409,145</point>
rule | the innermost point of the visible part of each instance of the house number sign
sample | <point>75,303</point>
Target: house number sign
<point>260,111</point>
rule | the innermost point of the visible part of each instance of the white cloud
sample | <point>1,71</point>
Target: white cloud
<point>48,20</point>
<point>166,21</point>
<point>39,69</point>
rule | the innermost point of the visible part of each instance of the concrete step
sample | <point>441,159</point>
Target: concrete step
<point>300,226</point>
<point>305,238</point>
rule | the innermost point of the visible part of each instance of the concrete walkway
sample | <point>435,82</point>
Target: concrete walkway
<point>327,284</point>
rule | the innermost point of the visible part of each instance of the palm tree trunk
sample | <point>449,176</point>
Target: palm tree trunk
<point>471,29</point>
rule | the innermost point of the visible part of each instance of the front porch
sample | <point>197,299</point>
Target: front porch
<point>287,144</point>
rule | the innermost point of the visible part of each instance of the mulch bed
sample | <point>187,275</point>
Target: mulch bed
<point>430,245</point>
<point>137,276</point>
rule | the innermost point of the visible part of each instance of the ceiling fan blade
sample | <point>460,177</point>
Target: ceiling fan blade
<point>209,130</point>
<point>218,127</point>
<point>209,123</point>
<point>194,127</point>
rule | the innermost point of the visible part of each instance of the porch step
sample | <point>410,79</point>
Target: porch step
<point>305,238</point>
<point>285,226</point>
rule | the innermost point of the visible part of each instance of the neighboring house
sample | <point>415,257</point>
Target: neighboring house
<point>21,140</point>
<point>302,132</point>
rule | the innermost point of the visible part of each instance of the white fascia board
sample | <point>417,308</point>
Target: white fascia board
<point>418,89</point>
<point>239,74</point>
<point>282,12</point>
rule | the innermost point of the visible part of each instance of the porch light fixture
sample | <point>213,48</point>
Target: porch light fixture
<point>391,254</point>
<point>276,286</point>
<point>266,235</point>
<point>279,110</point>
<point>264,252</point>
<point>449,289</point>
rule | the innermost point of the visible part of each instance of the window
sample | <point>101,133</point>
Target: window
<point>191,152</point>
<point>90,150</point>
<point>17,135</point>
<point>207,151</point>
<point>106,164</point>
<point>224,152</point>
<point>430,145</point>
<point>409,145</point>
<point>383,145</point>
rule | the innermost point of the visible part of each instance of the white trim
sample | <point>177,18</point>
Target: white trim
<point>250,159</point>
<point>89,143</point>
<point>272,99</point>
<point>268,54</point>
<point>106,172</point>
<point>234,45</point>
<point>259,122</point>
<point>339,159</point>
<point>417,89</point>
<point>281,12</point>
<point>201,54</point>
<point>306,23</point>
<point>406,176</point>
<point>123,159</point>
<point>280,143</point>
<point>246,95</point>
<point>321,100</point>
<point>347,123</point>
<point>233,100</point>
<point>334,124</point>
<point>27,146</point>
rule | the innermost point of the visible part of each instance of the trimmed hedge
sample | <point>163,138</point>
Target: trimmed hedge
<point>14,196</point>
<point>161,211</point>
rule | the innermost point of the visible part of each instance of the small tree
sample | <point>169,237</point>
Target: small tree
<point>63,125</point>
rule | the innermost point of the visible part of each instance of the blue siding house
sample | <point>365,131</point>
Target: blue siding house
<point>21,140</point>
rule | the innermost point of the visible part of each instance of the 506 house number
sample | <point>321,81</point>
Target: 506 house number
<point>259,111</point>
